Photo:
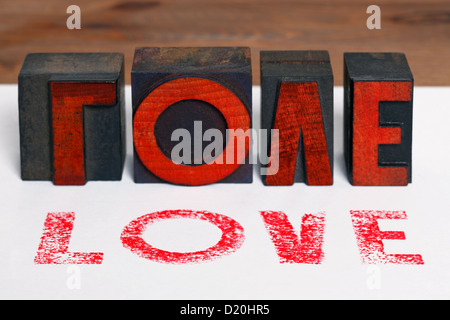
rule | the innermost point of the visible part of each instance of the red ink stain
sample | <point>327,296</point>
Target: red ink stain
<point>55,239</point>
<point>231,239</point>
<point>370,238</point>
<point>290,248</point>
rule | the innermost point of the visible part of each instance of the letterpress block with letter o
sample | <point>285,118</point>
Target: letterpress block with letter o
<point>71,117</point>
<point>378,97</point>
<point>192,115</point>
<point>297,104</point>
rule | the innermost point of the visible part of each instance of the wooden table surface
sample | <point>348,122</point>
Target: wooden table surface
<point>420,29</point>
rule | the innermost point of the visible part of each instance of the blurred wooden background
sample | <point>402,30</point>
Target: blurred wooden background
<point>419,28</point>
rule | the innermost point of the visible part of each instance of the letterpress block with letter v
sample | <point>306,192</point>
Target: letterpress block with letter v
<point>297,104</point>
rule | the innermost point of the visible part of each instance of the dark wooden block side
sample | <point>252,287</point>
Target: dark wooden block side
<point>377,66</point>
<point>35,129</point>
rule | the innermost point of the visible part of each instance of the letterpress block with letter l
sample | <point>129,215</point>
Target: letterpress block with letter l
<point>192,115</point>
<point>297,104</point>
<point>71,117</point>
<point>378,98</point>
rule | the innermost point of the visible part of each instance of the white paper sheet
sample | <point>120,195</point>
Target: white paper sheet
<point>254,271</point>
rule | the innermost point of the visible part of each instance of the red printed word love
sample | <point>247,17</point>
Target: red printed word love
<point>305,248</point>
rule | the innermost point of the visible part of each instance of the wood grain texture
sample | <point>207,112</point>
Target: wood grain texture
<point>419,28</point>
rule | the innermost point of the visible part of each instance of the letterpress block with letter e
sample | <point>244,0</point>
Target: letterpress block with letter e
<point>378,97</point>
<point>71,116</point>
<point>297,104</point>
<point>192,115</point>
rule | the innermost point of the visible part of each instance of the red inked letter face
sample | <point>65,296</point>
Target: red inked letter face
<point>370,238</point>
<point>291,248</point>
<point>173,91</point>
<point>55,239</point>
<point>298,111</point>
<point>231,240</point>
<point>367,133</point>
<point>68,99</point>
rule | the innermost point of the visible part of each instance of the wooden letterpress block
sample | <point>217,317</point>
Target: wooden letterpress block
<point>378,97</point>
<point>297,102</point>
<point>71,117</point>
<point>192,89</point>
